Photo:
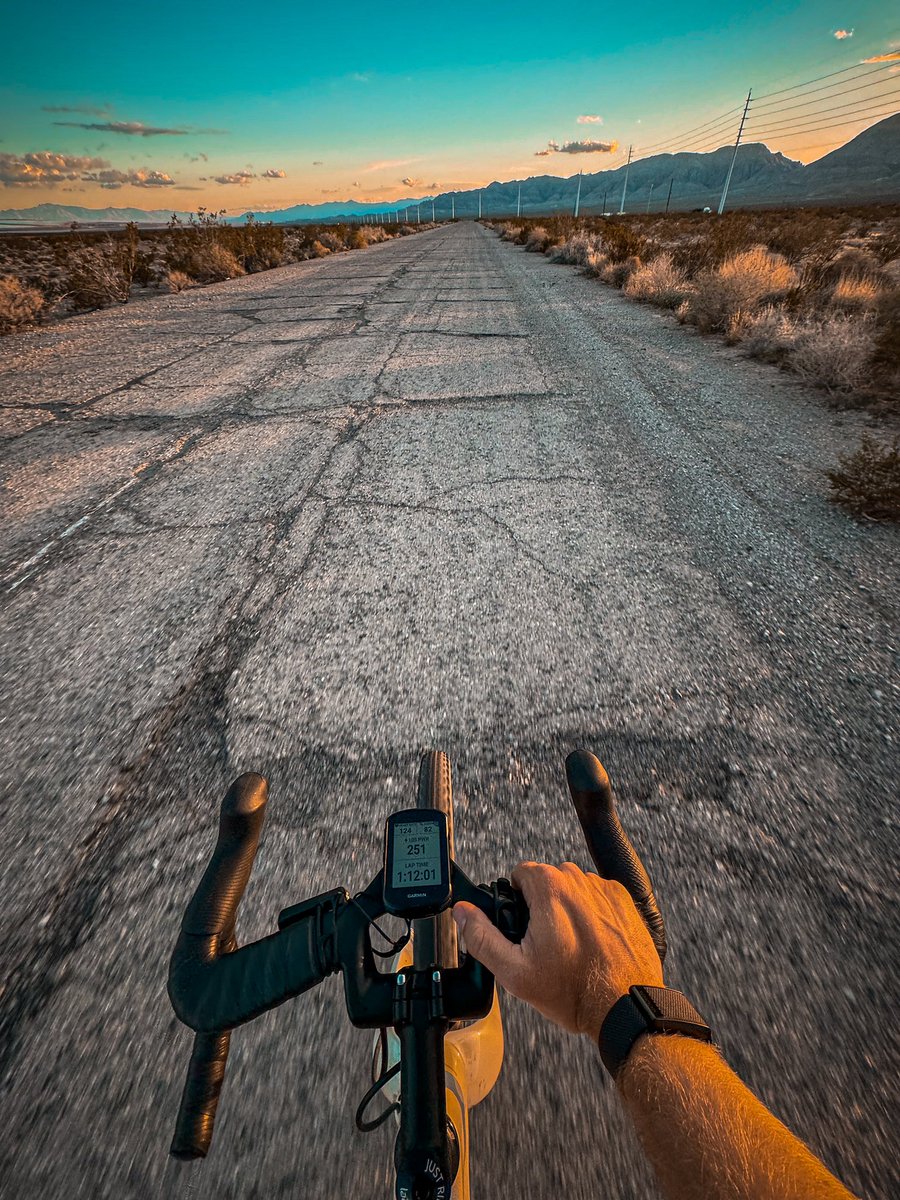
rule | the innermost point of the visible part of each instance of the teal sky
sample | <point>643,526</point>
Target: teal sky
<point>375,94</point>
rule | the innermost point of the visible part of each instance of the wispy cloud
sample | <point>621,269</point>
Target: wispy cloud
<point>841,34</point>
<point>891,56</point>
<point>45,167</point>
<point>409,182</point>
<point>317,162</point>
<point>588,146</point>
<point>238,179</point>
<point>388,164</point>
<point>136,128</point>
<point>112,179</point>
<point>198,157</point>
<point>360,76</point>
<point>271,173</point>
<point>590,119</point>
<point>89,111</point>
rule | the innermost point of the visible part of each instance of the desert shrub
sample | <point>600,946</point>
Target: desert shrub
<point>575,250</point>
<point>834,352</point>
<point>741,283</point>
<point>19,304</point>
<point>538,239</point>
<point>617,273</point>
<point>319,250</point>
<point>658,282</point>
<point>622,241</point>
<point>98,276</point>
<point>885,245</point>
<point>856,292</point>
<point>768,333</point>
<point>886,346</point>
<point>358,240</point>
<point>212,263</point>
<point>177,281</point>
<point>596,263</point>
<point>332,240</point>
<point>807,234</point>
<point>257,246</point>
<point>868,480</point>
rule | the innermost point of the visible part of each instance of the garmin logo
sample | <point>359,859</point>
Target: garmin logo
<point>417,895</point>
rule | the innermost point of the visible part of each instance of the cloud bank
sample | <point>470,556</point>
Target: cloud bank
<point>135,128</point>
<point>112,179</point>
<point>273,174</point>
<point>238,179</point>
<point>587,146</point>
<point>45,167</point>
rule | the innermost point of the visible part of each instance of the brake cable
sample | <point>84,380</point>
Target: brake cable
<point>394,947</point>
<point>363,1125</point>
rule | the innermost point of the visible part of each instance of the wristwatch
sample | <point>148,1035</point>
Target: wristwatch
<point>647,1010</point>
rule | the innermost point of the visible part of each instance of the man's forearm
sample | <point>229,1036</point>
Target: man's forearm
<point>707,1135</point>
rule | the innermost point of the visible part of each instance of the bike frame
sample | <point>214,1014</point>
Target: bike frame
<point>473,1058</point>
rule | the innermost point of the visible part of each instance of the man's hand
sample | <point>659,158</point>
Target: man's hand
<point>586,945</point>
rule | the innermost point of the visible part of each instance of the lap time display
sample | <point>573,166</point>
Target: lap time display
<point>417,854</point>
<point>417,863</point>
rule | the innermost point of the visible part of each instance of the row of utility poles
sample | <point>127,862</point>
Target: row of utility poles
<point>376,218</point>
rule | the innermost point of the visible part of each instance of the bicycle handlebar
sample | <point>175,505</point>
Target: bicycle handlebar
<point>214,986</point>
<point>609,845</point>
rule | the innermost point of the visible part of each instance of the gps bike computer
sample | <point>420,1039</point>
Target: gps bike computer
<point>416,863</point>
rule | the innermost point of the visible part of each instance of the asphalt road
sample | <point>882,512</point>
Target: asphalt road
<point>437,493</point>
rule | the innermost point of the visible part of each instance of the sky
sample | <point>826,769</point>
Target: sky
<point>236,108</point>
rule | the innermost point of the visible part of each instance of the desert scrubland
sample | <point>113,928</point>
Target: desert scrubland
<point>51,275</point>
<point>816,291</point>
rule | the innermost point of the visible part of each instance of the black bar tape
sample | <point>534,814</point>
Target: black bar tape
<point>200,1097</point>
<point>612,852</point>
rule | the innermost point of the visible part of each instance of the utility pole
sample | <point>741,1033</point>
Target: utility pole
<point>669,197</point>
<point>650,197</point>
<point>578,196</point>
<point>432,212</point>
<point>452,208</point>
<point>418,214</point>
<point>519,202</point>
<point>604,203</point>
<point>625,184</point>
<point>734,156</point>
<point>479,206</point>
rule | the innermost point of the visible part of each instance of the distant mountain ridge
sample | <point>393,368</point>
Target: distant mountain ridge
<point>65,214</point>
<point>867,168</point>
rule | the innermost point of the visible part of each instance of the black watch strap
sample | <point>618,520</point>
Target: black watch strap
<point>647,1010</point>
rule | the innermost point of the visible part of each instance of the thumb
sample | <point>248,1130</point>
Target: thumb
<point>486,943</point>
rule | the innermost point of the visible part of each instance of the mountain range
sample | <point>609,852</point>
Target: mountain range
<point>867,168</point>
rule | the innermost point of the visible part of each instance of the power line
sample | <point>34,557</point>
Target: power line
<point>804,128</point>
<point>828,88</point>
<point>818,78</point>
<point>843,124</point>
<point>697,128</point>
<point>716,137</point>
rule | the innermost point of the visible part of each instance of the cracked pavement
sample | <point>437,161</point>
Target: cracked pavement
<point>437,493</point>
